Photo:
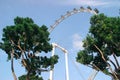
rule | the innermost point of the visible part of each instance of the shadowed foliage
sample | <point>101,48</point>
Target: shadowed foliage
<point>32,77</point>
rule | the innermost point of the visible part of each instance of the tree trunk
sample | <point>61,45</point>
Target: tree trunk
<point>28,76</point>
<point>12,68</point>
<point>118,76</point>
<point>12,65</point>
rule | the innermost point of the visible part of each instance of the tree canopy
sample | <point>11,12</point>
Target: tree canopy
<point>32,77</point>
<point>102,43</point>
<point>25,40</point>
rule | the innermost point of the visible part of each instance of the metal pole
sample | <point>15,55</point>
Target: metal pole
<point>52,70</point>
<point>66,63</point>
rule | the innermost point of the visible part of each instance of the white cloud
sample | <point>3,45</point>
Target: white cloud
<point>77,42</point>
<point>88,2</point>
<point>70,2</point>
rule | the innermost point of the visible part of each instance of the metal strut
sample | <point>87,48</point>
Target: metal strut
<point>66,60</point>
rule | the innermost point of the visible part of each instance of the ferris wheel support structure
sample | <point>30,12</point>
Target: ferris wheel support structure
<point>57,22</point>
<point>66,60</point>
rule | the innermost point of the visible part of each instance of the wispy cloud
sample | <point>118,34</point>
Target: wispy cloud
<point>77,42</point>
<point>88,2</point>
<point>70,2</point>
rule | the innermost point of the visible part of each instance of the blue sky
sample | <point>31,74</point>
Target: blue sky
<point>69,33</point>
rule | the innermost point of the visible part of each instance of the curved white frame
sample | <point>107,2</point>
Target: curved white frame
<point>58,21</point>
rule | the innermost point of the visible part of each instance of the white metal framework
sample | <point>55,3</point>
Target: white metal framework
<point>58,21</point>
<point>70,13</point>
<point>66,60</point>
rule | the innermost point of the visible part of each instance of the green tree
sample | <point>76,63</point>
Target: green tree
<point>102,43</point>
<point>32,77</point>
<point>24,40</point>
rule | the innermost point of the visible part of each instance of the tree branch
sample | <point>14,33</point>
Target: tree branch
<point>113,64</point>
<point>24,63</point>
<point>97,68</point>
<point>116,60</point>
<point>12,64</point>
<point>100,53</point>
<point>106,61</point>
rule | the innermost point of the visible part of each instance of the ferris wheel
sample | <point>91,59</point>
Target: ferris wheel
<point>57,22</point>
<point>70,13</point>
